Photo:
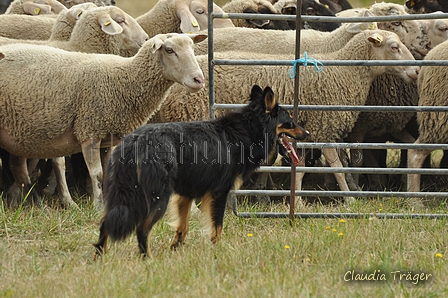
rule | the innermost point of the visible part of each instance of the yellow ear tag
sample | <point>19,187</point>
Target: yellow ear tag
<point>378,39</point>
<point>412,3</point>
<point>107,23</point>
<point>327,6</point>
<point>194,24</point>
<point>372,26</point>
<point>36,10</point>
<point>363,27</point>
<point>79,13</point>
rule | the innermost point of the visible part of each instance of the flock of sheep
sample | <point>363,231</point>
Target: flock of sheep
<point>118,73</point>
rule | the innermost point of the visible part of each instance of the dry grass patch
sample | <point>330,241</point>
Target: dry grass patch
<point>46,252</point>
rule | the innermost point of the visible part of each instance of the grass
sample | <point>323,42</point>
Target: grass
<point>47,252</point>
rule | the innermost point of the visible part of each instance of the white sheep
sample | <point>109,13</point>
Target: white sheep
<point>432,90</point>
<point>105,30</point>
<point>283,42</point>
<point>341,85</point>
<point>42,28</point>
<point>108,97</point>
<point>258,7</point>
<point>388,90</point>
<point>35,7</point>
<point>187,16</point>
<point>71,3</point>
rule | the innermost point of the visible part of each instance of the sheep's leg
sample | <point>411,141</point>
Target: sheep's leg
<point>298,202</point>
<point>416,157</point>
<point>182,209</point>
<point>22,181</point>
<point>59,171</point>
<point>332,158</point>
<point>356,154</point>
<point>92,156</point>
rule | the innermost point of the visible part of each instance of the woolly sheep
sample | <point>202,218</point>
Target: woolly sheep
<point>187,16</point>
<point>35,7</point>
<point>388,90</point>
<point>42,28</point>
<point>426,6</point>
<point>71,3</point>
<point>108,97</point>
<point>432,90</point>
<point>283,42</point>
<point>309,7</point>
<point>437,30</point>
<point>257,7</point>
<point>25,26</point>
<point>345,86</point>
<point>106,30</point>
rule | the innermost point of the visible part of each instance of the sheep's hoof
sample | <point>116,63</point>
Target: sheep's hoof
<point>349,200</point>
<point>415,203</point>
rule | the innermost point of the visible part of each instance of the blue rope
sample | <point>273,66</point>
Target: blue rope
<point>317,64</point>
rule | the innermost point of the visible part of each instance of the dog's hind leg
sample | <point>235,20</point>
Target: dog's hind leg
<point>102,242</point>
<point>156,212</point>
<point>182,210</point>
<point>213,206</point>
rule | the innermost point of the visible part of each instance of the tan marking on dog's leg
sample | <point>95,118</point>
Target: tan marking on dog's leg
<point>183,205</point>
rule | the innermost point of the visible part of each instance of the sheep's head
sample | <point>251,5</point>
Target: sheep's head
<point>387,46</point>
<point>177,58</point>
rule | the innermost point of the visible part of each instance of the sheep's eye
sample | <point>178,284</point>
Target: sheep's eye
<point>169,50</point>
<point>200,11</point>
<point>310,11</point>
<point>120,21</point>
<point>396,23</point>
<point>394,48</point>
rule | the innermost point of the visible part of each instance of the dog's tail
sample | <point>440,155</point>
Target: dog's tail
<point>125,204</point>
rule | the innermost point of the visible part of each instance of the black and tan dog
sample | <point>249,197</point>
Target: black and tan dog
<point>185,161</point>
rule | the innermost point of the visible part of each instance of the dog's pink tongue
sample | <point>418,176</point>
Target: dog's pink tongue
<point>291,151</point>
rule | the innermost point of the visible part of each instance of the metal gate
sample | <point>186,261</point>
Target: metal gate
<point>293,169</point>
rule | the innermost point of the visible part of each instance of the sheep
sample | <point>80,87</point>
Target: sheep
<point>345,86</point>
<point>432,90</point>
<point>309,7</point>
<point>25,26</point>
<point>388,90</point>
<point>437,30</point>
<point>71,3</point>
<point>268,41</point>
<point>108,97</point>
<point>107,30</point>
<point>337,5</point>
<point>43,28</point>
<point>180,16</point>
<point>425,6</point>
<point>35,7</point>
<point>257,7</point>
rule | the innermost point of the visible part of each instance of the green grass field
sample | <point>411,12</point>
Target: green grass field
<point>47,252</point>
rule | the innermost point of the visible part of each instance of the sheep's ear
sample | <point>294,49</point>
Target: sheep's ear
<point>269,99</point>
<point>36,9</point>
<point>108,25</point>
<point>257,23</point>
<point>359,27</point>
<point>155,43</point>
<point>77,10</point>
<point>289,9</point>
<point>376,39</point>
<point>188,23</point>
<point>197,37</point>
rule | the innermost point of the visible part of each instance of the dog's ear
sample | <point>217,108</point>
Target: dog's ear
<point>269,99</point>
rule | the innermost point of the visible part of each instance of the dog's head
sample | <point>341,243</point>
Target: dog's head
<point>279,122</point>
